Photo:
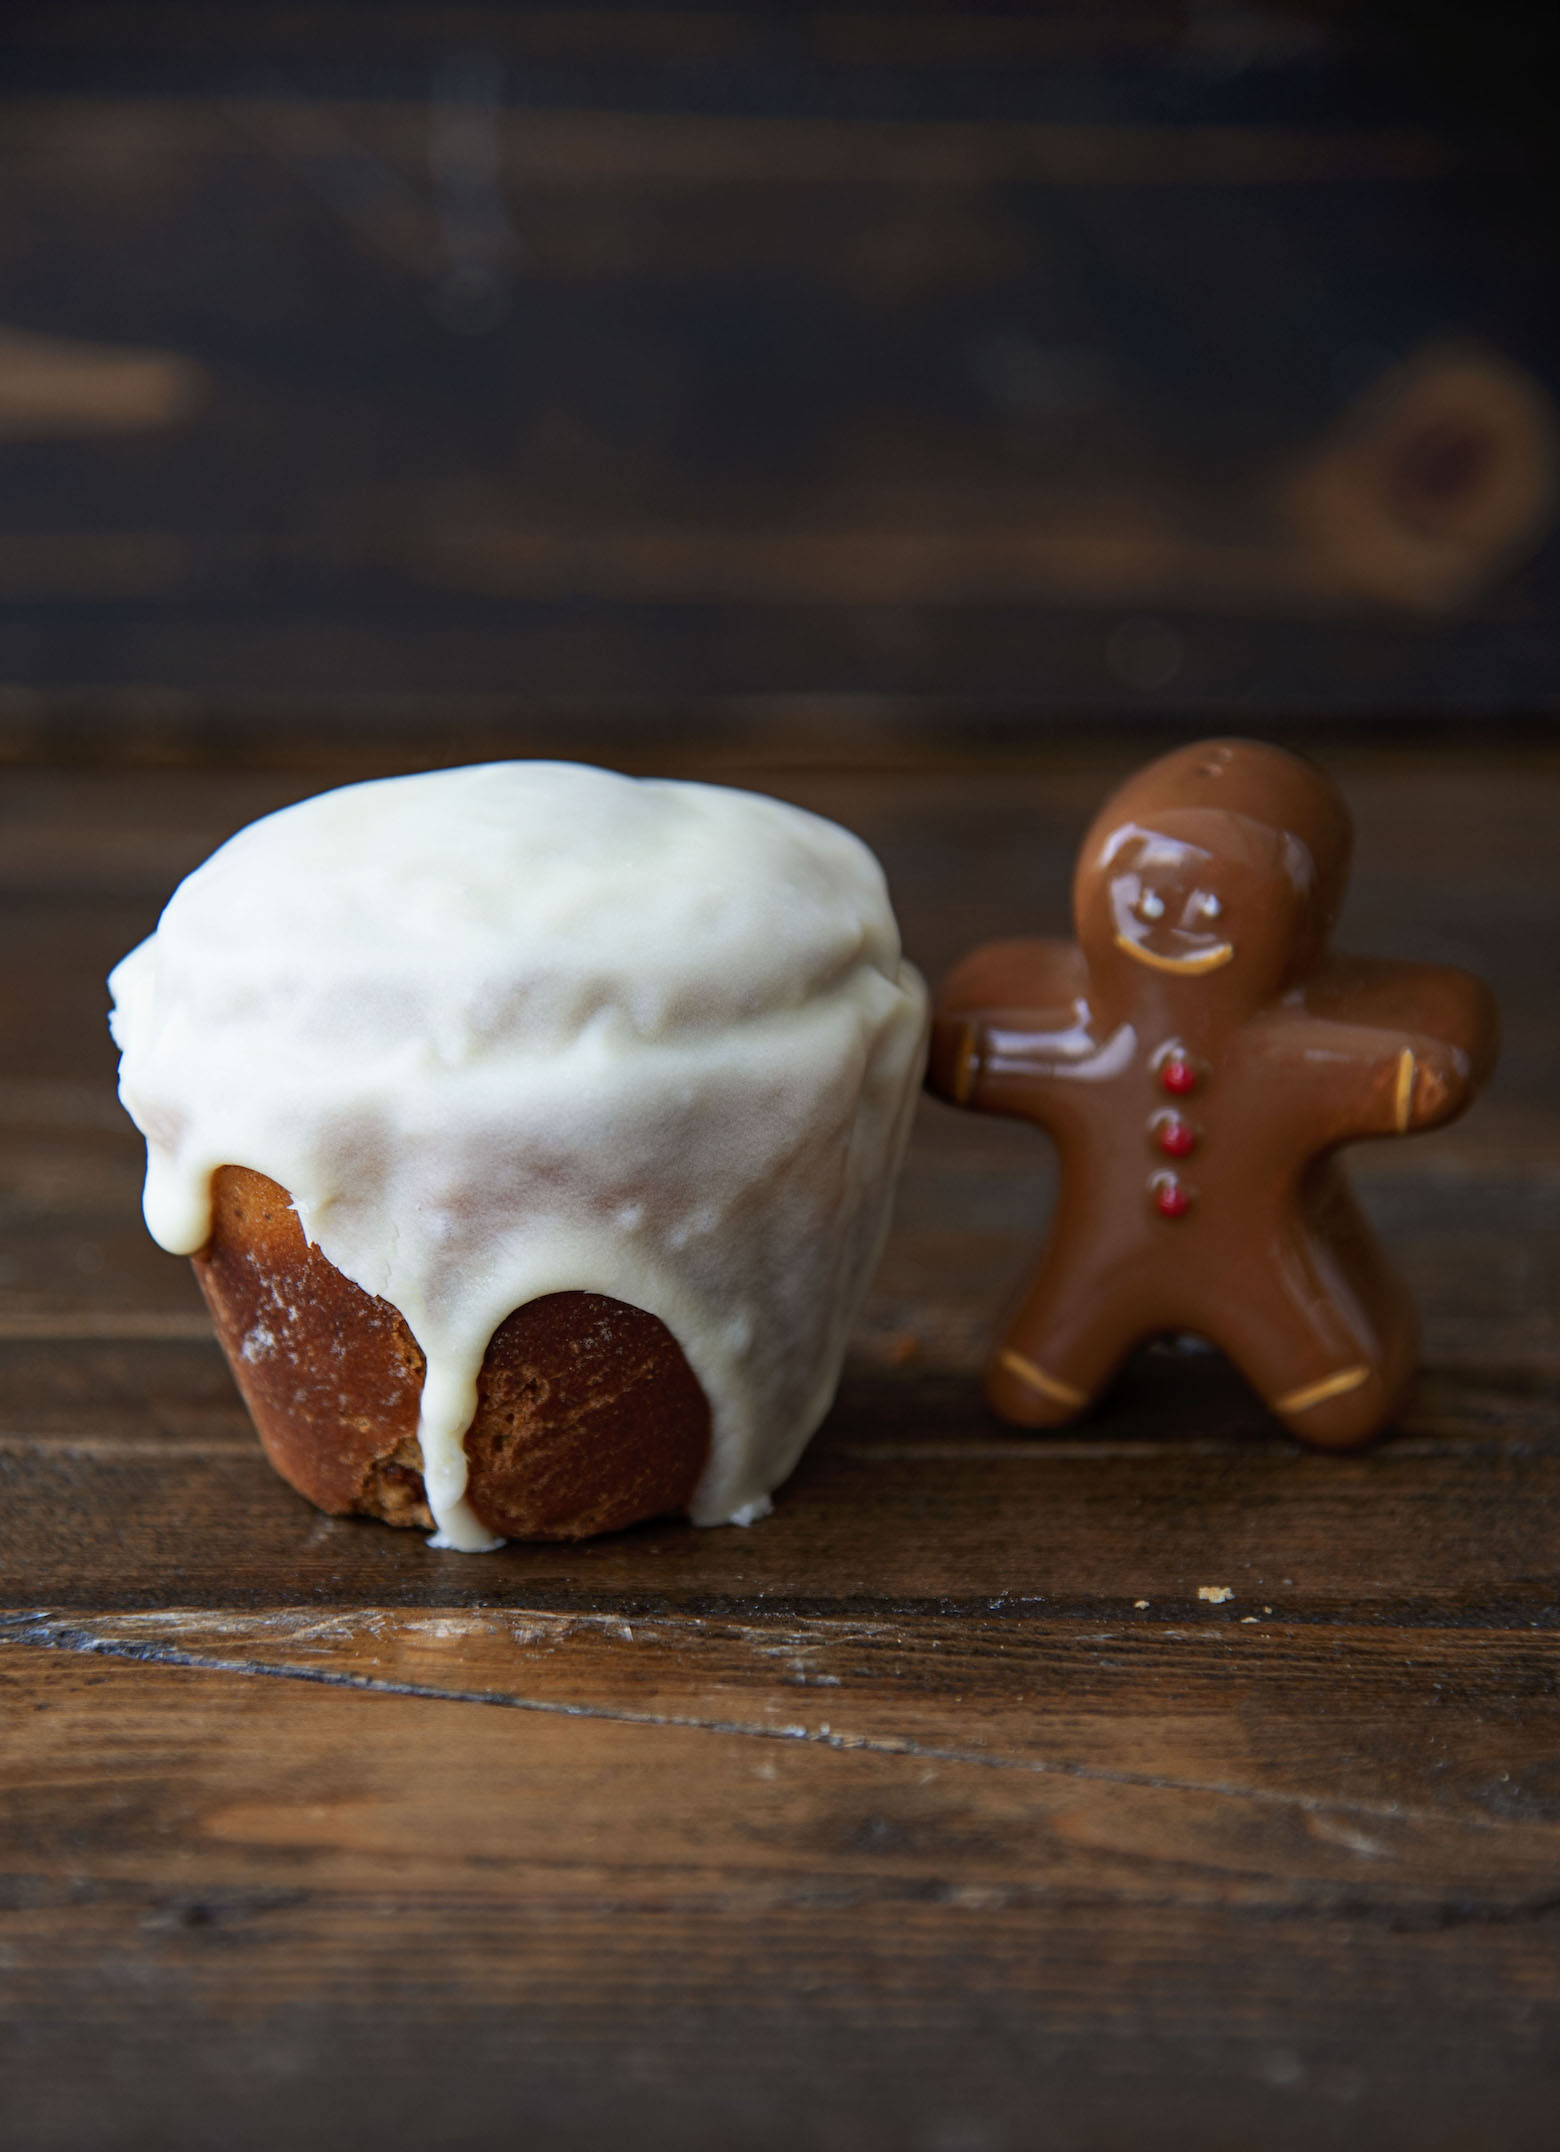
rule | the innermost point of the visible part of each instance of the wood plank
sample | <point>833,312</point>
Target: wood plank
<point>313,1889</point>
<point>605,148</point>
<point>709,356</point>
<point>1434,1738</point>
<point>639,1804</point>
<point>907,1500</point>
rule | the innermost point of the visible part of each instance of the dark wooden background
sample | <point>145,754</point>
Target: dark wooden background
<point>978,363</point>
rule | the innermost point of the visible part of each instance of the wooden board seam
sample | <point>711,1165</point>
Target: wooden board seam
<point>43,1632</point>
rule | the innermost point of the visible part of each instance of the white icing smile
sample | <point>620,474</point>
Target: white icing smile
<point>533,1028</point>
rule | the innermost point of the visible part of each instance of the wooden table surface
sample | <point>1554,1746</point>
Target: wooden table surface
<point>940,1811</point>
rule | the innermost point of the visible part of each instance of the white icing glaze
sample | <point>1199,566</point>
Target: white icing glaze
<point>531,1028</point>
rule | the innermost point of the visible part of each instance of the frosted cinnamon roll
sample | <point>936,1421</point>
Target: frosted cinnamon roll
<point>534,1131</point>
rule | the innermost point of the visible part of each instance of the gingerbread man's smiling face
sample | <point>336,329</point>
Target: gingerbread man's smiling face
<point>1165,911</point>
<point>1196,874</point>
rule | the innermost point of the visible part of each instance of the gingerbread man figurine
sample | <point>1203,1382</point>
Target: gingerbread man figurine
<point>1199,1057</point>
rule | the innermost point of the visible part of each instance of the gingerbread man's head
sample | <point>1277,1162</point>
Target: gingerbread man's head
<point>1219,867</point>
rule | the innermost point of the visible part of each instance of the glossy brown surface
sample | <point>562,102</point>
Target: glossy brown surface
<point>896,1824</point>
<point>588,1416</point>
<point>1199,1057</point>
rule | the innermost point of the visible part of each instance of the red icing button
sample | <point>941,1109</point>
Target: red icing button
<point>1177,1075</point>
<point>1170,1198</point>
<point>1176,1137</point>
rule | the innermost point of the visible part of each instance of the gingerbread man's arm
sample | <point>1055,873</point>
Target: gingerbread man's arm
<point>1343,1081</point>
<point>1424,1036</point>
<point>1008,1018</point>
<point>1030,974</point>
<point>1433,1000</point>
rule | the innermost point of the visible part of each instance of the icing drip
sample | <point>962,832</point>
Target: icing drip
<point>531,1028</point>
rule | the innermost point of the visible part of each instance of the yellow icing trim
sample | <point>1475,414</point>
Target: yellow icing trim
<point>1061,1393</point>
<point>1403,1104</point>
<point>1188,967</point>
<point>1318,1393</point>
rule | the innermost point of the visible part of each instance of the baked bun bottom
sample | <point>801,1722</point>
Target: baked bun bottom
<point>588,1416</point>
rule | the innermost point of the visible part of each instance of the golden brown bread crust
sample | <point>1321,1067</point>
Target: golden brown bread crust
<point>588,1416</point>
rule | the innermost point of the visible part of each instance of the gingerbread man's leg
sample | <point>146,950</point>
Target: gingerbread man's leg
<point>1326,1336</point>
<point>1066,1343</point>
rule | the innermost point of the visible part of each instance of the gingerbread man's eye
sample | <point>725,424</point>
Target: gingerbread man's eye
<point>1206,906</point>
<point>1151,905</point>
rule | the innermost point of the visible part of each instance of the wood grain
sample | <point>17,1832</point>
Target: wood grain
<point>1227,1707</point>
<point>941,1801</point>
<point>650,357</point>
<point>693,1927</point>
